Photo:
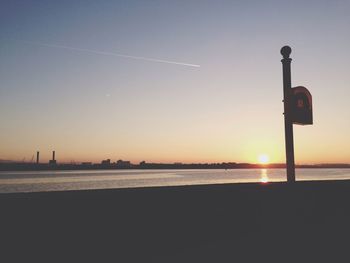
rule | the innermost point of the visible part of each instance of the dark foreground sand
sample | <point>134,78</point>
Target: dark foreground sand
<point>305,222</point>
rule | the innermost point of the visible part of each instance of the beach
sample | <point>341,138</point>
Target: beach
<point>247,222</point>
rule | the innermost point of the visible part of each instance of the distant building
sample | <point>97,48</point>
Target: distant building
<point>124,164</point>
<point>106,162</point>
<point>86,163</point>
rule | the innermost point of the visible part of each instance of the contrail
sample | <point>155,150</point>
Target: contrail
<point>112,54</point>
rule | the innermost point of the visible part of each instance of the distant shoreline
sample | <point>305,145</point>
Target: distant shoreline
<point>13,166</point>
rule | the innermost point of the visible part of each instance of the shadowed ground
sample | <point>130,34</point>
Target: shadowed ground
<point>305,222</point>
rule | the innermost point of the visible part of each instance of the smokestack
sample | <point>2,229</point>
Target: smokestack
<point>53,161</point>
<point>37,157</point>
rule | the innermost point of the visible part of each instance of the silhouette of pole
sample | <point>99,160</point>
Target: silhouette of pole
<point>288,125</point>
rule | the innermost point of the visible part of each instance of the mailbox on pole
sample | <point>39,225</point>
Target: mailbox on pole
<point>297,110</point>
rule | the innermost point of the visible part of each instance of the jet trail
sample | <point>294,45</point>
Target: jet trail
<point>113,54</point>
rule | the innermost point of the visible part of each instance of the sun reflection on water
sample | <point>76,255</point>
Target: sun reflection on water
<point>264,178</point>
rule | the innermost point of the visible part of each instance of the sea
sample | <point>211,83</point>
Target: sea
<point>44,181</point>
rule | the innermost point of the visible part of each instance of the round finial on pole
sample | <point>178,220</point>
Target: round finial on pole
<point>285,51</point>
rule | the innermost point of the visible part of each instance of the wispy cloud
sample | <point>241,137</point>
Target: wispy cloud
<point>98,52</point>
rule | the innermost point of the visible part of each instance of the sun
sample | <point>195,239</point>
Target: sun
<point>263,159</point>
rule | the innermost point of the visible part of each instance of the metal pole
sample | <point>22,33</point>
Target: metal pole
<point>288,125</point>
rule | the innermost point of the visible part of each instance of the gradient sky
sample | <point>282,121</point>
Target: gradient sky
<point>90,106</point>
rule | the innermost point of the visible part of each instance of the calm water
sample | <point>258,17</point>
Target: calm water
<point>101,179</point>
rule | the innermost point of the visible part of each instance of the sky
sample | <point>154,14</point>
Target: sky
<point>96,80</point>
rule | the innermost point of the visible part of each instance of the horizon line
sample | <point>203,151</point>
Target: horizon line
<point>6,161</point>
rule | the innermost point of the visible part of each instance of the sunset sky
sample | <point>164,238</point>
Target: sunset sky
<point>96,80</point>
